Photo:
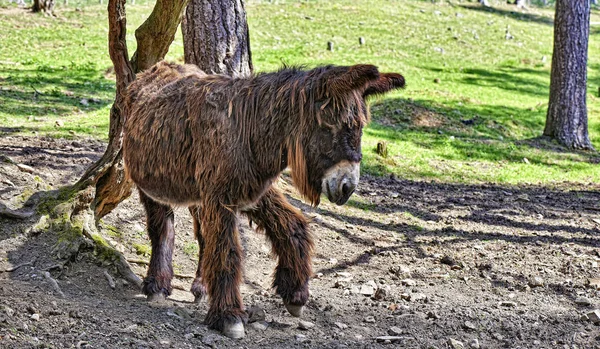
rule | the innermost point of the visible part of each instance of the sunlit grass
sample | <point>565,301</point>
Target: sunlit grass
<point>475,101</point>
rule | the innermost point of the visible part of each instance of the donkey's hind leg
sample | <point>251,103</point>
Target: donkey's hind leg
<point>198,286</point>
<point>157,284</point>
<point>287,229</point>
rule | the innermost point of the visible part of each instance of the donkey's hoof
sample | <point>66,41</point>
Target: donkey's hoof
<point>157,298</point>
<point>295,310</point>
<point>234,330</point>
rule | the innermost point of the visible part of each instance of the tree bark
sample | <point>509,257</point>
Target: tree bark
<point>566,120</point>
<point>216,37</point>
<point>156,34</point>
<point>154,37</point>
<point>46,6</point>
<point>77,209</point>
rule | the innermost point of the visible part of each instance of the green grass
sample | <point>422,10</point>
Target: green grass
<point>474,103</point>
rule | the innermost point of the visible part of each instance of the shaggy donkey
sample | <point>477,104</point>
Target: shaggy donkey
<point>216,144</point>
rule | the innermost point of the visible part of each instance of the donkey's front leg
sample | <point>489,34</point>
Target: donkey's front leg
<point>160,222</point>
<point>287,229</point>
<point>222,269</point>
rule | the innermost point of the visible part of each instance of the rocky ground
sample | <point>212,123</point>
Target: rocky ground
<point>403,264</point>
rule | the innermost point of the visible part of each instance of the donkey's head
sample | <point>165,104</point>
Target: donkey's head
<point>326,155</point>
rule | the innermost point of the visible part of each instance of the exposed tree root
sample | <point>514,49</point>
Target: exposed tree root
<point>15,214</point>
<point>111,281</point>
<point>54,284</point>
<point>10,270</point>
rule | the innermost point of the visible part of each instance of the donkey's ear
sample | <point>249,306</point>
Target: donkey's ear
<point>385,83</point>
<point>346,79</point>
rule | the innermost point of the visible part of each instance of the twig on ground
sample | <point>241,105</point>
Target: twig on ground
<point>185,276</point>
<point>10,270</point>
<point>138,261</point>
<point>37,93</point>
<point>111,281</point>
<point>178,287</point>
<point>54,284</point>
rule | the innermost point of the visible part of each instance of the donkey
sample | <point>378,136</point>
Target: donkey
<point>216,144</point>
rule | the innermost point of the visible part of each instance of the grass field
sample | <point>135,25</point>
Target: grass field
<point>474,104</point>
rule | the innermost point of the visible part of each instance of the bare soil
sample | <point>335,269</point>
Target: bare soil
<point>432,263</point>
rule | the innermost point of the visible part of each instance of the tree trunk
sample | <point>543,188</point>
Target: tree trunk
<point>46,6</point>
<point>77,209</point>
<point>566,120</point>
<point>154,37</point>
<point>215,37</point>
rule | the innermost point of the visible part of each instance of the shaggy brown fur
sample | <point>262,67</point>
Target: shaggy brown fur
<point>217,143</point>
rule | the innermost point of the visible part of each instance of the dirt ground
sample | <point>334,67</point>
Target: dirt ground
<point>432,265</point>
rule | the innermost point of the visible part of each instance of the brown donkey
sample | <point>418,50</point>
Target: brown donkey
<point>216,144</point>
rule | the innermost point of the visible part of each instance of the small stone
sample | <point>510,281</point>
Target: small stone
<point>432,315</point>
<point>536,282</point>
<point>389,339</point>
<point>367,290</point>
<point>437,80</point>
<point>35,317</point>
<point>395,331</point>
<point>508,304</point>
<point>340,325</point>
<point>256,314</point>
<point>583,301</point>
<point>455,344</point>
<point>408,282</point>
<point>188,336</point>
<point>341,283</point>
<point>594,316</point>
<point>9,312</point>
<point>301,338</point>
<point>370,319</point>
<point>259,325</point>
<point>212,339</point>
<point>329,46</point>
<point>469,325</point>
<point>380,294</point>
<point>84,102</point>
<point>183,313</point>
<point>447,260</point>
<point>419,297</point>
<point>25,168</point>
<point>305,325</point>
<point>343,274</point>
<point>474,343</point>
<point>361,41</point>
<point>75,314</point>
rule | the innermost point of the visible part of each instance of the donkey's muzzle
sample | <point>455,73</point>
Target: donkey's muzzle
<point>340,181</point>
